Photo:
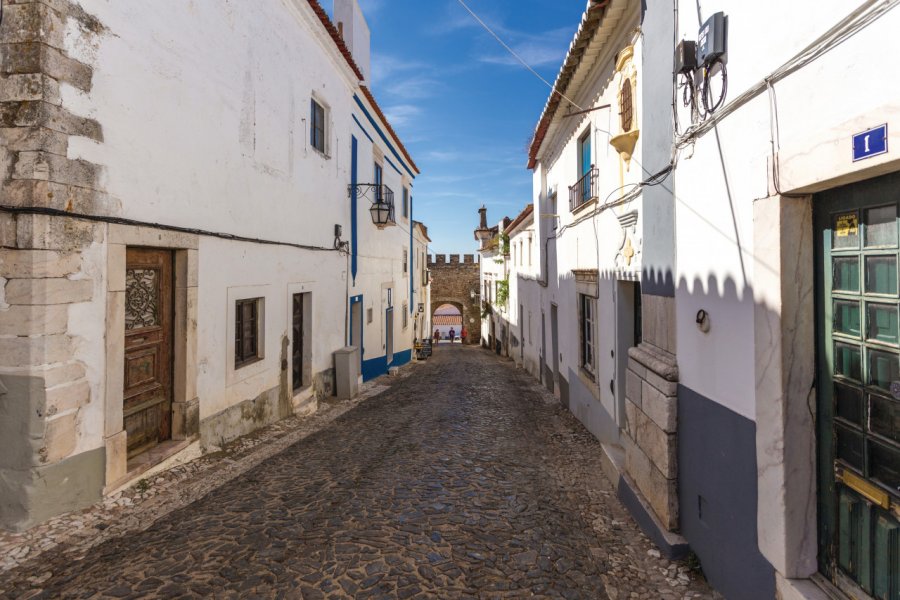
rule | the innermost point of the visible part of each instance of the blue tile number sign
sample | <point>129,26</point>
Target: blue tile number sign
<point>871,142</point>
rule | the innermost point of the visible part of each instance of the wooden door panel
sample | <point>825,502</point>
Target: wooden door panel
<point>148,348</point>
<point>297,341</point>
<point>858,391</point>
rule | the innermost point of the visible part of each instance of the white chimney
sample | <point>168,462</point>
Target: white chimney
<point>352,24</point>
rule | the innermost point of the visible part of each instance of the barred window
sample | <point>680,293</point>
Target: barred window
<point>317,126</point>
<point>246,332</point>
<point>626,106</point>
<point>586,328</point>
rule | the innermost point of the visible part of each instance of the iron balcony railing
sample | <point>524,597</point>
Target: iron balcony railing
<point>585,189</point>
<point>385,194</point>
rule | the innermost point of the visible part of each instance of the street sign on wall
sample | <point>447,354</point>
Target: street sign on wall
<point>869,143</point>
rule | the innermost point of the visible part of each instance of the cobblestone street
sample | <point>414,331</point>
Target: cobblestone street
<point>464,479</point>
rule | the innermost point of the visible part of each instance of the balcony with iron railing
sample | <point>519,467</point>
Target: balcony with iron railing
<point>382,200</point>
<point>585,189</point>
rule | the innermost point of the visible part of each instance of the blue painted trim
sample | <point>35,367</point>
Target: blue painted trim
<point>393,165</point>
<point>354,226</point>
<point>377,367</point>
<point>381,134</point>
<point>401,358</point>
<point>363,129</point>
<point>362,326</point>
<point>374,368</point>
<point>409,257</point>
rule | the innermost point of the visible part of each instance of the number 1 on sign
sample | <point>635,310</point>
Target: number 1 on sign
<point>866,142</point>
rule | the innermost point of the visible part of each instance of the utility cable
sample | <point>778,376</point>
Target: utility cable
<point>515,55</point>
<point>866,14</point>
<point>54,212</point>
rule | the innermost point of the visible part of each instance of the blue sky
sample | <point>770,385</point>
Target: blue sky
<point>463,107</point>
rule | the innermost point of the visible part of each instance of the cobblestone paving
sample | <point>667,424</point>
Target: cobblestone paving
<point>463,480</point>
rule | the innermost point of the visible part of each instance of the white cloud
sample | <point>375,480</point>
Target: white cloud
<point>535,54</point>
<point>385,66</point>
<point>401,114</point>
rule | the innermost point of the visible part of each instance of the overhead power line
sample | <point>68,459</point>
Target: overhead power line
<point>515,54</point>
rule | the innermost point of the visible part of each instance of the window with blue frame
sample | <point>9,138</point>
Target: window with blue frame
<point>379,179</point>
<point>584,167</point>
<point>317,126</point>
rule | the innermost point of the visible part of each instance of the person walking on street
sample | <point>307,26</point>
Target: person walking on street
<point>463,335</point>
<point>452,334</point>
<point>437,336</point>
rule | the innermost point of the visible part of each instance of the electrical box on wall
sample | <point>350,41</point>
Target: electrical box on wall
<point>685,56</point>
<point>711,39</point>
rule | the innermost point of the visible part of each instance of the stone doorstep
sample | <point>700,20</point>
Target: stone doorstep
<point>672,545</point>
<point>159,458</point>
<point>815,588</point>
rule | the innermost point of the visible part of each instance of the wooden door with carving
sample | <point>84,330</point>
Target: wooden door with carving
<point>148,348</point>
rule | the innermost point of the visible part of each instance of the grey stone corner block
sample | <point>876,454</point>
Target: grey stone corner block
<point>655,359</point>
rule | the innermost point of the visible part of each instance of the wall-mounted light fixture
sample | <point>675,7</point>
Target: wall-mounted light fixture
<point>702,321</point>
<point>381,212</point>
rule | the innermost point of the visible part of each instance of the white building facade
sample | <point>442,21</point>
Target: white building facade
<point>184,236</point>
<point>580,288</point>
<point>731,283</point>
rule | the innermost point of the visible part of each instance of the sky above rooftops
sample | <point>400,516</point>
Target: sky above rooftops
<point>462,105</point>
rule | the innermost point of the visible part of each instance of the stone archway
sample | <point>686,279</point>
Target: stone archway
<point>455,282</point>
<point>436,304</point>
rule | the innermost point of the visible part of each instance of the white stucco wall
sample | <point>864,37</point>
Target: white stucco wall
<point>718,178</point>
<point>205,112</point>
<point>587,239</point>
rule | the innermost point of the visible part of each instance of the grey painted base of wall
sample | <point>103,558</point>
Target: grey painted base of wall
<point>241,419</point>
<point>31,496</point>
<point>563,391</point>
<point>587,408</point>
<point>717,492</point>
<point>671,545</point>
<point>267,408</point>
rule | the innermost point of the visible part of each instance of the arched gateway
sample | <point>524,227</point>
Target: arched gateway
<point>455,282</point>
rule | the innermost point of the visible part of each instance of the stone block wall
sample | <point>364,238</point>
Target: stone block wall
<point>49,267</point>
<point>650,438</point>
<point>45,272</point>
<point>452,283</point>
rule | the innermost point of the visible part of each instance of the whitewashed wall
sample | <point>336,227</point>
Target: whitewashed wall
<point>381,250</point>
<point>592,243</point>
<point>718,179</point>
<point>205,111</point>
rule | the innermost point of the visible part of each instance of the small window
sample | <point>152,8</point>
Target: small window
<point>317,126</point>
<point>379,180</point>
<point>369,316</point>
<point>586,329</point>
<point>405,262</point>
<point>246,332</point>
<point>626,106</point>
<point>405,203</point>
<point>405,315</point>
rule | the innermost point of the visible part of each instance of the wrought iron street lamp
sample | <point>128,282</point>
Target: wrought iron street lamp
<point>381,212</point>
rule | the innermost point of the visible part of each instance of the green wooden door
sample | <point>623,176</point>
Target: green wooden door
<point>858,340</point>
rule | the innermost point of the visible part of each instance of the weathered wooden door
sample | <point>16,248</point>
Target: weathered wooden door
<point>297,342</point>
<point>858,389</point>
<point>148,348</point>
